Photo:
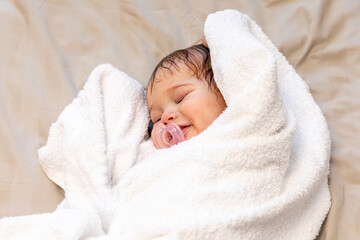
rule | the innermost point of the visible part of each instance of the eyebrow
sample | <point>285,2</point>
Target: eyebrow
<point>177,86</point>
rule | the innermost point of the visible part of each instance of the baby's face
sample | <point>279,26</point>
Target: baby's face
<point>183,99</point>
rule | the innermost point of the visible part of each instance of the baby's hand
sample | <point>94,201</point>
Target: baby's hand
<point>204,41</point>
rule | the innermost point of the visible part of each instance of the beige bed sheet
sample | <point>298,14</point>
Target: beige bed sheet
<point>48,48</point>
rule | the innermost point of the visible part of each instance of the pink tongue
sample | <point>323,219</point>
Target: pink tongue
<point>165,137</point>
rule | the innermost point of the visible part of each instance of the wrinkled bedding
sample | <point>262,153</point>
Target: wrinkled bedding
<point>49,48</point>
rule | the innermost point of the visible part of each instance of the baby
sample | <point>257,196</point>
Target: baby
<point>182,90</point>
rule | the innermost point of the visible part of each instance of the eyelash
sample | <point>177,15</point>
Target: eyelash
<point>182,98</point>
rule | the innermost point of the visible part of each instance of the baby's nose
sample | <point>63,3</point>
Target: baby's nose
<point>168,117</point>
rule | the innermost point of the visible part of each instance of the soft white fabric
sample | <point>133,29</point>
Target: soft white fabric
<point>258,172</point>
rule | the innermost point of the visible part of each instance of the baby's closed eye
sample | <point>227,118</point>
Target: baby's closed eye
<point>179,99</point>
<point>180,96</point>
<point>156,119</point>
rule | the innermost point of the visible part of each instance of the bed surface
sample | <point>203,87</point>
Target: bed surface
<point>48,49</point>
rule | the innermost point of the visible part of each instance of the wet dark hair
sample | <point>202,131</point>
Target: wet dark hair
<point>196,58</point>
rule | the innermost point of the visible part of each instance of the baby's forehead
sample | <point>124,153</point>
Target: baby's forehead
<point>169,73</point>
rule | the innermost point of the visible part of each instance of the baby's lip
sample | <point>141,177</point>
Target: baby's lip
<point>184,128</point>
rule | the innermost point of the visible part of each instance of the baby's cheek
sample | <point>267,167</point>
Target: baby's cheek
<point>193,108</point>
<point>198,114</point>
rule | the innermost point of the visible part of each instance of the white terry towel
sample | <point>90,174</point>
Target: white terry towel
<point>258,172</point>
